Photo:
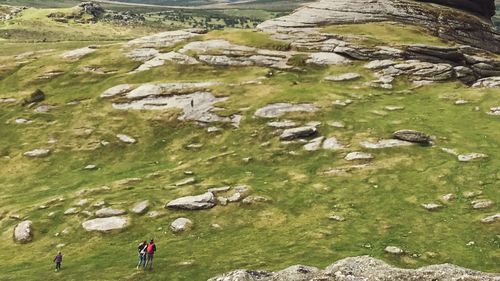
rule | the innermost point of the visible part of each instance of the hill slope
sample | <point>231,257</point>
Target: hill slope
<point>296,135</point>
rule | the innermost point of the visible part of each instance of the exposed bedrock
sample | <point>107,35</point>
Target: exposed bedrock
<point>464,21</point>
<point>361,268</point>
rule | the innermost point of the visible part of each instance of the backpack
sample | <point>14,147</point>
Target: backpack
<point>150,248</point>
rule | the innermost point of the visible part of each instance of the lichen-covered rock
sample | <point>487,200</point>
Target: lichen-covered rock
<point>140,207</point>
<point>412,136</point>
<point>180,225</point>
<point>300,132</point>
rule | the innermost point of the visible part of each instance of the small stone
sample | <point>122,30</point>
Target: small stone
<point>222,201</point>
<point>219,189</point>
<point>197,202</point>
<point>393,250</point>
<point>99,204</point>
<point>470,243</point>
<point>213,129</point>
<point>342,102</point>
<point>482,204</point>
<point>216,226</point>
<point>432,206</point>
<point>471,157</point>
<point>314,144</point>
<point>336,124</point>
<point>300,132</point>
<point>109,212</point>
<point>255,199</point>
<point>153,214</point>
<point>60,246</point>
<point>282,124</point>
<point>491,219</point>
<point>82,202</point>
<point>184,182</point>
<point>71,211</point>
<point>332,144</point>
<point>394,107</point>
<point>358,156</point>
<point>23,121</point>
<point>40,152</point>
<point>180,225</point>
<point>90,167</point>
<point>448,197</point>
<point>336,218</point>
<point>126,139</point>
<point>140,207</point>
<point>412,136</point>
<point>461,102</point>
<point>472,194</point>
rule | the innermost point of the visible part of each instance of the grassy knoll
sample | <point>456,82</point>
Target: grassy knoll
<point>381,204</point>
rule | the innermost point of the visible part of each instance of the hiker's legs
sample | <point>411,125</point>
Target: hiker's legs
<point>150,261</point>
<point>58,266</point>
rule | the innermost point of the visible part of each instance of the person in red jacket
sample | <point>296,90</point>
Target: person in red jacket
<point>150,251</point>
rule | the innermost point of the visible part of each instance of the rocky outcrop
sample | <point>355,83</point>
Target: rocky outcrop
<point>360,268</point>
<point>457,23</point>
<point>23,232</point>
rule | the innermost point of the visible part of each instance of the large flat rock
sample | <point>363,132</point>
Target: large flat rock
<point>197,202</point>
<point>106,224</point>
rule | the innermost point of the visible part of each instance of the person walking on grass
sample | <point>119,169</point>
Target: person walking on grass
<point>142,254</point>
<point>58,261</point>
<point>150,251</point>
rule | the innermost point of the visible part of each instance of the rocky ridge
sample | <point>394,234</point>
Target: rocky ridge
<point>359,269</point>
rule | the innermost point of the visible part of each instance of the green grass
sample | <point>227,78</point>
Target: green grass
<point>381,203</point>
<point>386,33</point>
<point>249,38</point>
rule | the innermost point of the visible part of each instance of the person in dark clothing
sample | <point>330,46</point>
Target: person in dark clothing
<point>150,251</point>
<point>142,248</point>
<point>58,261</point>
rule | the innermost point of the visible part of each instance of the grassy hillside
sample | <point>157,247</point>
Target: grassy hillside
<point>381,203</point>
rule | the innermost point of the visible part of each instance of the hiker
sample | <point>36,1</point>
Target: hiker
<point>150,251</point>
<point>142,254</point>
<point>58,261</point>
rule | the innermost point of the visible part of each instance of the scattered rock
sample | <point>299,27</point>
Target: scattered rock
<point>181,225</point>
<point>343,77</point>
<point>494,111</point>
<point>255,199</point>
<point>471,157</point>
<point>448,197</point>
<point>23,232</point>
<point>71,211</point>
<point>491,219</point>
<point>358,156</point>
<point>461,102</point>
<point>90,167</point>
<point>219,189</point>
<point>37,96</point>
<point>78,53</point>
<point>43,109</point>
<point>482,204</point>
<point>336,218</point>
<point>40,152</point>
<point>412,136</point>
<point>432,206</point>
<point>336,124</point>
<point>342,103</point>
<point>332,143</point>
<point>282,124</point>
<point>198,202</point>
<point>472,194</point>
<point>393,250</point>
<point>279,109</point>
<point>82,202</point>
<point>140,207</point>
<point>187,181</point>
<point>300,132</point>
<point>106,224</point>
<point>314,144</point>
<point>394,107</point>
<point>489,82</point>
<point>109,212</point>
<point>126,139</point>
<point>385,144</point>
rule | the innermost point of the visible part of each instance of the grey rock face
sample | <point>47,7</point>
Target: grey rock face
<point>23,232</point>
<point>448,23</point>
<point>198,202</point>
<point>362,268</point>
<point>412,136</point>
<point>106,224</point>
